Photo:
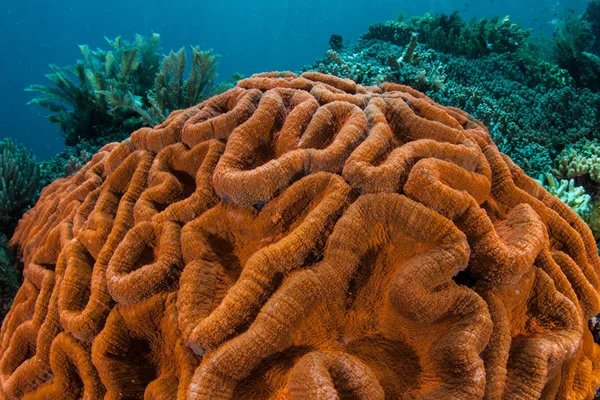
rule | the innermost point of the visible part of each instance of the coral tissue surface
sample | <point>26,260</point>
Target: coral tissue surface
<point>303,237</point>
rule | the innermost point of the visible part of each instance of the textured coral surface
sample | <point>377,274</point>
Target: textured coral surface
<point>303,237</point>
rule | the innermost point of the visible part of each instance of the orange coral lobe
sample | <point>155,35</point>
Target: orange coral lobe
<point>303,237</point>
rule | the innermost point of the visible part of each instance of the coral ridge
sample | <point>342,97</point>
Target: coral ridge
<point>303,237</point>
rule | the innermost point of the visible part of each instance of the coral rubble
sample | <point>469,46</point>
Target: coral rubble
<point>303,237</point>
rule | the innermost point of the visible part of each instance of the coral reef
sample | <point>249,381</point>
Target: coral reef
<point>578,198</point>
<point>451,34</point>
<point>532,107</point>
<point>19,183</point>
<point>303,237</point>
<point>592,218</point>
<point>123,89</point>
<point>73,158</point>
<point>576,48</point>
<point>592,17</point>
<point>580,159</point>
<point>573,196</point>
<point>580,162</point>
<point>9,276</point>
<point>335,42</point>
<point>171,91</point>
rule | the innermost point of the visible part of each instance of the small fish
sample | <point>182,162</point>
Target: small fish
<point>534,20</point>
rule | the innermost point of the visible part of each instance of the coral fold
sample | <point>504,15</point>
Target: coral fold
<point>303,237</point>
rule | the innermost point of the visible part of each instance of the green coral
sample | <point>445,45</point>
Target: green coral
<point>577,199</point>
<point>573,196</point>
<point>80,102</point>
<point>532,107</point>
<point>9,277</point>
<point>592,16</point>
<point>171,92</point>
<point>573,41</point>
<point>592,219</point>
<point>122,89</point>
<point>532,113</point>
<point>580,160</point>
<point>72,158</point>
<point>19,183</point>
<point>451,34</point>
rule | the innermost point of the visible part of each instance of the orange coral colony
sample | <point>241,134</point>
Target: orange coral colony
<point>303,237</point>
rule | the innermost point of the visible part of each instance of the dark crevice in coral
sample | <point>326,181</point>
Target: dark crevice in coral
<point>463,278</point>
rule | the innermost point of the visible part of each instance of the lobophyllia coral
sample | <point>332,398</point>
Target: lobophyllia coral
<point>303,237</point>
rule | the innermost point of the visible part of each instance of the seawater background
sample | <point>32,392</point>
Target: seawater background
<point>251,36</point>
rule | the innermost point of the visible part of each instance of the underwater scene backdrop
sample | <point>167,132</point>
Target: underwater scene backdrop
<point>459,82</point>
<point>250,37</point>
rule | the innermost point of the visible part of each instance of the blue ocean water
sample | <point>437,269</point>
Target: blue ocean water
<point>250,36</point>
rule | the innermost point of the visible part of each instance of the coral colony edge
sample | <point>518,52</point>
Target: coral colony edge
<point>303,237</point>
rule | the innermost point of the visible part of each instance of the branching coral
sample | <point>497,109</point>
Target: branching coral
<point>303,237</point>
<point>124,88</point>
<point>573,196</point>
<point>580,162</point>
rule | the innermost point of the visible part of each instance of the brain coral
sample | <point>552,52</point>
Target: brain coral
<point>303,237</point>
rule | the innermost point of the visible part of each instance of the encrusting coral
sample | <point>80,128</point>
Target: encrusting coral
<point>303,237</point>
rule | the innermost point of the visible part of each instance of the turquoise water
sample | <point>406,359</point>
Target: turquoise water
<point>250,36</point>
